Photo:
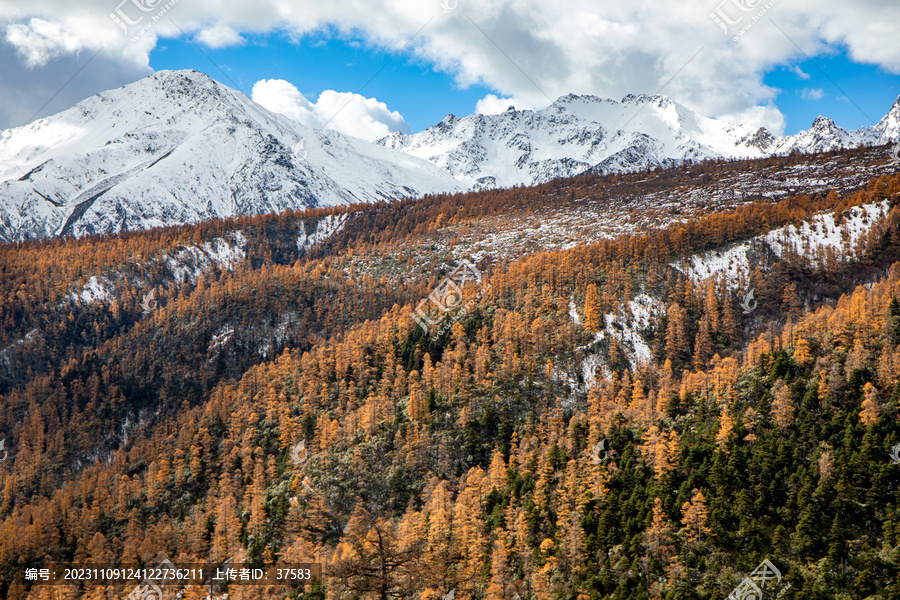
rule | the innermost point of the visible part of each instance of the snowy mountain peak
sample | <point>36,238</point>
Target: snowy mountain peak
<point>644,99</point>
<point>761,139</point>
<point>895,108</point>
<point>177,82</point>
<point>575,134</point>
<point>887,130</point>
<point>577,98</point>
<point>175,87</point>
<point>584,133</point>
<point>178,147</point>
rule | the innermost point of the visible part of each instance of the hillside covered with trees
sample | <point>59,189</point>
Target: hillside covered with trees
<point>273,400</point>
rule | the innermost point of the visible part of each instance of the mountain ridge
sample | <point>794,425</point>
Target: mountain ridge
<point>177,147</point>
<point>577,134</point>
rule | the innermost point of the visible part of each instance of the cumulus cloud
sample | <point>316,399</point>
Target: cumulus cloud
<point>799,73</point>
<point>759,116</point>
<point>493,105</point>
<point>812,93</point>
<point>220,36</point>
<point>40,40</point>
<point>30,92</point>
<point>352,114</point>
<point>531,50</point>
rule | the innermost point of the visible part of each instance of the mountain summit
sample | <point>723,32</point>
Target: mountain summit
<point>571,136</point>
<point>178,147</point>
<point>581,133</point>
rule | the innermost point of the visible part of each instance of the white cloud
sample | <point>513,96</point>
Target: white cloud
<point>31,91</point>
<point>220,36</point>
<point>352,114</point>
<point>284,98</point>
<point>39,40</point>
<point>493,105</point>
<point>799,73</point>
<point>759,116</point>
<point>812,93</point>
<point>530,50</point>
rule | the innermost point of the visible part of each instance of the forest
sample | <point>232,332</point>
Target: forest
<point>284,407</point>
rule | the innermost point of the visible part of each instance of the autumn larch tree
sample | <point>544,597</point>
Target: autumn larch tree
<point>694,516</point>
<point>373,560</point>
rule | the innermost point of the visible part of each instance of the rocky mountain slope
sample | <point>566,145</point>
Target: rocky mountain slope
<point>581,133</point>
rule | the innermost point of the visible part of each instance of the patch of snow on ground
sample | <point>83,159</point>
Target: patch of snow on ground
<point>591,360</point>
<point>626,330</point>
<point>812,237</point>
<point>733,262</point>
<point>4,354</point>
<point>188,264</point>
<point>573,313</point>
<point>325,228</point>
<point>811,242</point>
<point>93,291</point>
<point>191,262</point>
<point>589,365</point>
<point>644,308</point>
<point>220,339</point>
<point>277,334</point>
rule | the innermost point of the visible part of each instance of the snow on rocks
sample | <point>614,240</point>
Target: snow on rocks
<point>191,262</point>
<point>627,327</point>
<point>811,241</point>
<point>325,228</point>
<point>187,264</point>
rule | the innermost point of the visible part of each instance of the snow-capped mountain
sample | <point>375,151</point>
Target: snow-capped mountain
<point>177,147</point>
<point>572,135</point>
<point>576,134</point>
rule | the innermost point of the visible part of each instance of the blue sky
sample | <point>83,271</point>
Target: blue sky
<point>831,85</point>
<point>852,94</point>
<point>408,85</point>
